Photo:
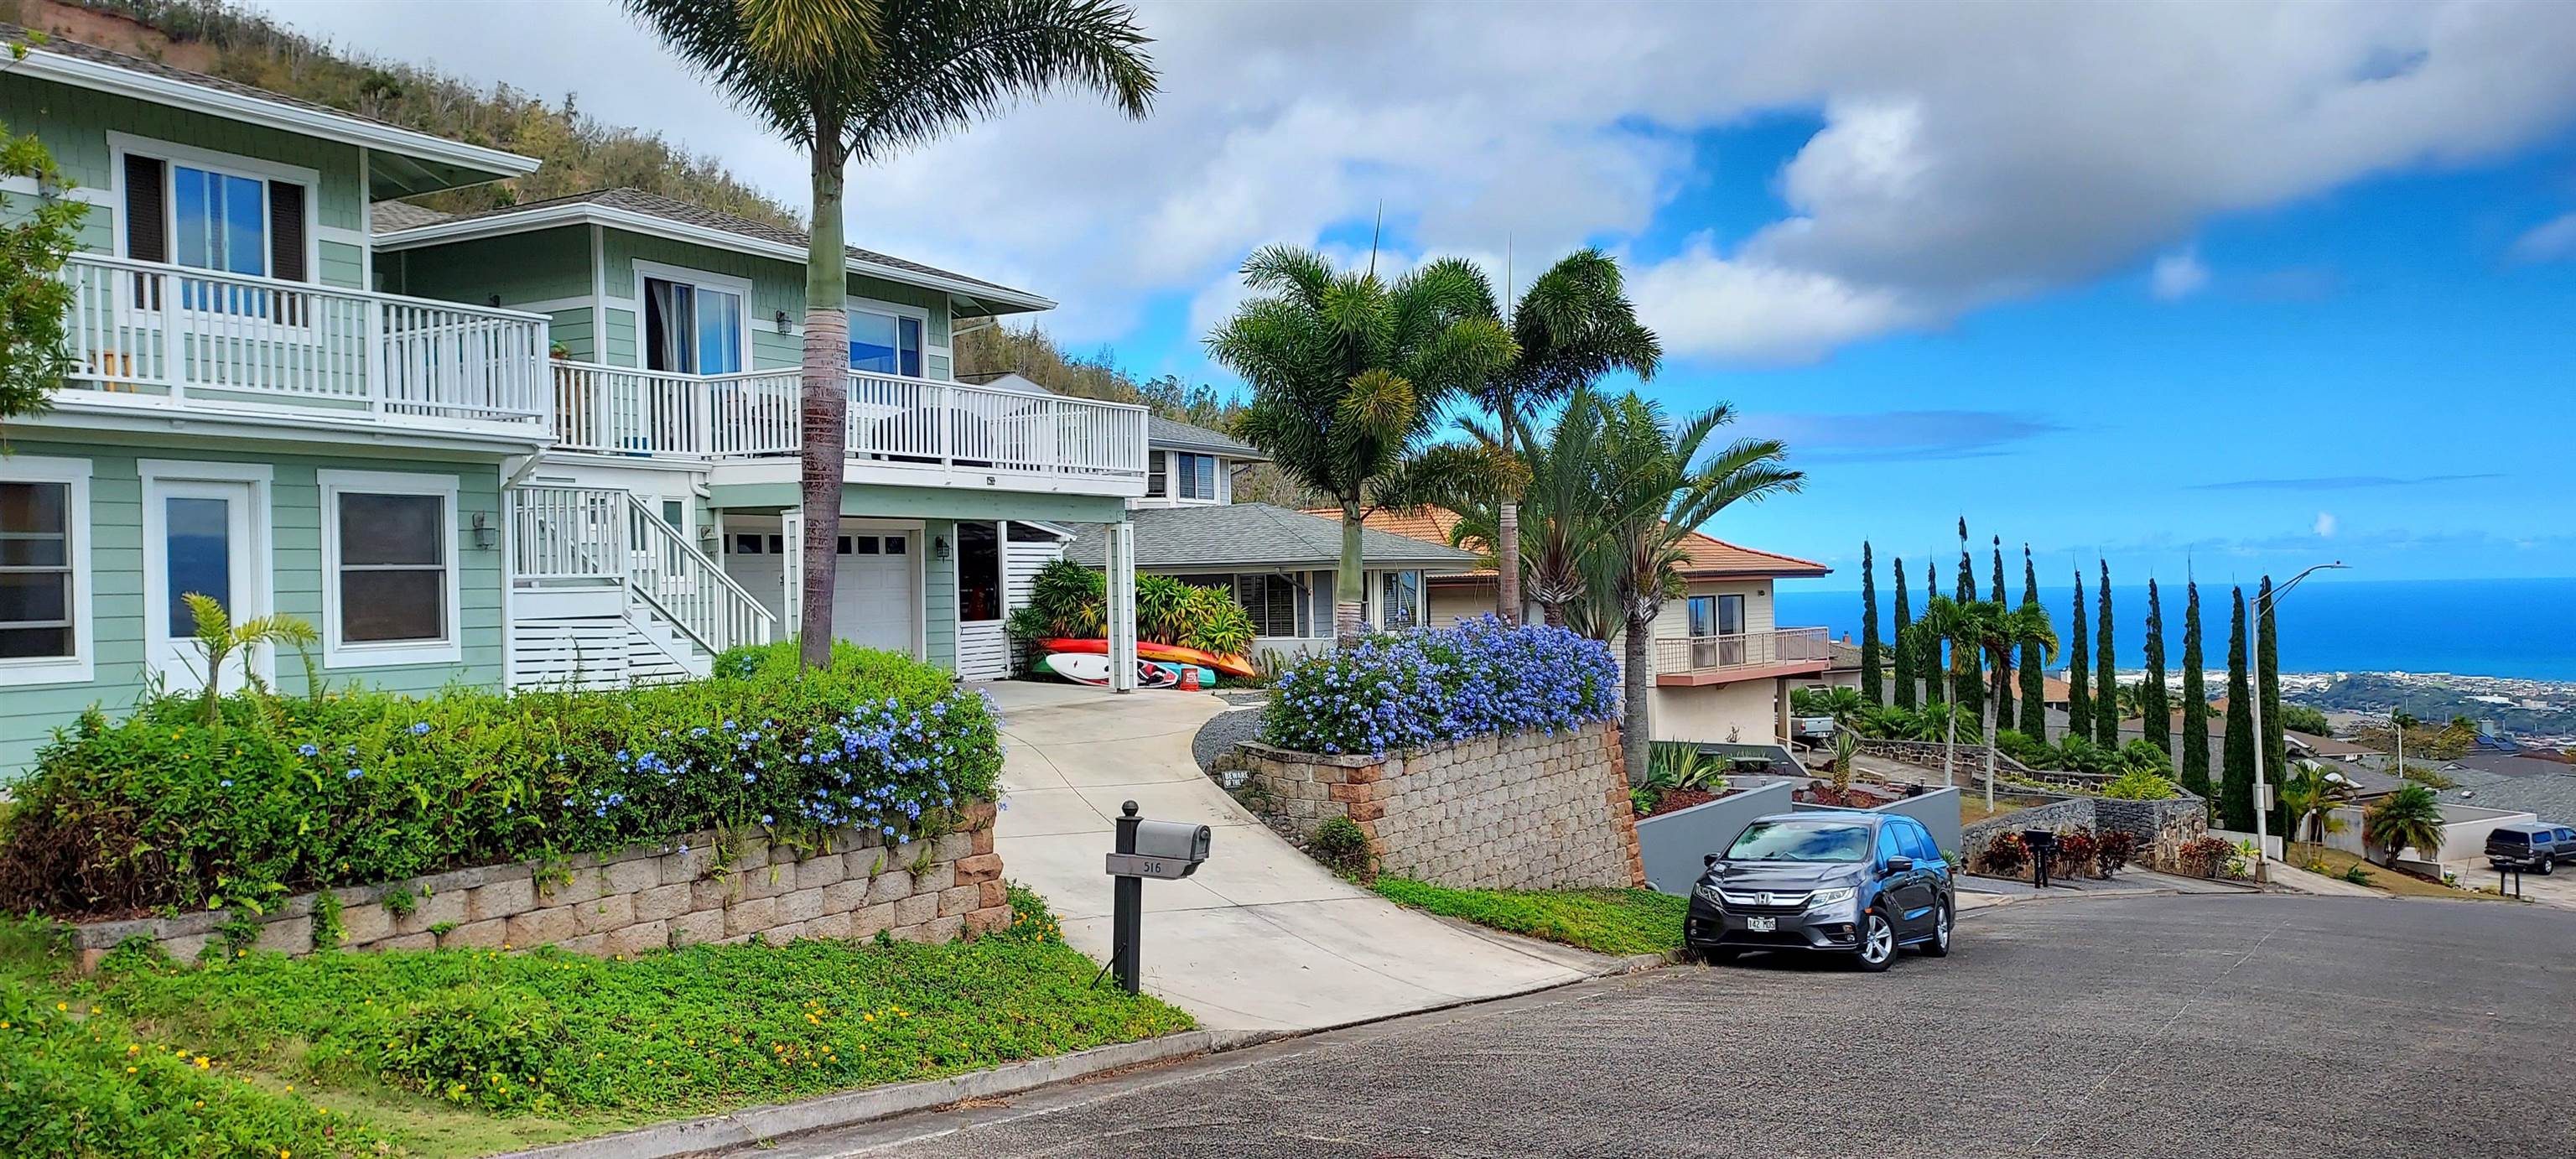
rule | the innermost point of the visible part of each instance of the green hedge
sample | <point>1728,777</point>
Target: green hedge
<point>161,810</point>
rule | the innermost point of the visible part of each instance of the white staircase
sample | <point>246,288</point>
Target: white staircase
<point>604,594</point>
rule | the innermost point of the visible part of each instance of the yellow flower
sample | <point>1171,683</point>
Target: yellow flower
<point>129,1070</point>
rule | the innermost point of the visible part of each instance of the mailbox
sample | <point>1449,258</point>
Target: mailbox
<point>1177,840</point>
<point>1167,850</point>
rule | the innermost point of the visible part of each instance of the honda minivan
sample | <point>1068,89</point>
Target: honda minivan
<point>1859,885</point>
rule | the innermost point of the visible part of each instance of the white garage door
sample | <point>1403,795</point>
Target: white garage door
<point>873,604</point>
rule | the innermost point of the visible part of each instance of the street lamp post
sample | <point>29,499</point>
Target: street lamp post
<point>2262,792</point>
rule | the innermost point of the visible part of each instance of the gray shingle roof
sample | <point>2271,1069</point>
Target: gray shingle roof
<point>1163,432</point>
<point>2552,798</point>
<point>673,209</point>
<point>2509,765</point>
<point>1256,535</point>
<point>388,216</point>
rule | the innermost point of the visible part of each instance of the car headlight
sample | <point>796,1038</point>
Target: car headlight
<point>1827,898</point>
<point>1709,893</point>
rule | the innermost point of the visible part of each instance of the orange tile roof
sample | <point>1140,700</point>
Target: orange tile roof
<point>1710,557</point>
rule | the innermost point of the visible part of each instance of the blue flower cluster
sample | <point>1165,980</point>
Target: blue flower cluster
<point>1431,686</point>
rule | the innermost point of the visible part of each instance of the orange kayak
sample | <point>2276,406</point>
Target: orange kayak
<point>1146,650</point>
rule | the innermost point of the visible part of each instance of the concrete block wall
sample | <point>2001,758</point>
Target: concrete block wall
<point>1526,811</point>
<point>646,898</point>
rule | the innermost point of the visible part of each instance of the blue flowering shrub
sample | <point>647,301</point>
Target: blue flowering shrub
<point>1435,685</point>
<point>160,810</point>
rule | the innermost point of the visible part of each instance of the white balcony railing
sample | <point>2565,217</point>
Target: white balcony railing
<point>188,336</point>
<point>584,535</point>
<point>894,421</point>
<point>1687,655</point>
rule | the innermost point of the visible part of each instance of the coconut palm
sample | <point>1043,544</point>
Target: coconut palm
<point>1951,622</point>
<point>1656,488</point>
<point>1574,325</point>
<point>1350,375</point>
<point>861,80</point>
<point>2409,816</point>
<point>1998,632</point>
<point>2309,797</point>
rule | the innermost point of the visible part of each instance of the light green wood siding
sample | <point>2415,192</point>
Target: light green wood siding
<point>571,330</point>
<point>74,124</point>
<point>343,265</point>
<point>544,266</point>
<point>776,286</point>
<point>620,349</point>
<point>939,595</point>
<point>29,714</point>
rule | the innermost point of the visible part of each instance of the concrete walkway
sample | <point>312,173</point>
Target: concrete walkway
<point>1262,940</point>
<point>2290,877</point>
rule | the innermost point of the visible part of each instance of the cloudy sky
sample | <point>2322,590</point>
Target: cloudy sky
<point>2229,286</point>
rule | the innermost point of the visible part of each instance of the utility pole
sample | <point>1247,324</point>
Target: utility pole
<point>2263,792</point>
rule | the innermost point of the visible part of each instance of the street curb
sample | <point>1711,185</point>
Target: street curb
<point>752,1126</point>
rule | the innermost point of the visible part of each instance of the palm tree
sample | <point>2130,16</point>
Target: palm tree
<point>2409,816</point>
<point>2309,796</point>
<point>1655,490</point>
<point>1998,631</point>
<point>219,638</point>
<point>1560,505</point>
<point>1349,376</point>
<point>1574,325</point>
<point>860,80</point>
<point>1948,621</point>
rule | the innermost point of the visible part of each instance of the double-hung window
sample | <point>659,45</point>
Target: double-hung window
<point>693,325</point>
<point>389,544</point>
<point>1194,476</point>
<point>882,342</point>
<point>44,570</point>
<point>1272,601</point>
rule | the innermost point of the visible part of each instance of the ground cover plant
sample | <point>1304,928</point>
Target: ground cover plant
<point>456,1052</point>
<point>1480,677</point>
<point>1607,921</point>
<point>167,809</point>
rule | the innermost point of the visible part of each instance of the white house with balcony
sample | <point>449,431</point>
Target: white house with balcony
<point>551,442</point>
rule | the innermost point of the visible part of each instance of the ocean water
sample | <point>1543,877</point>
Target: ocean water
<point>2508,627</point>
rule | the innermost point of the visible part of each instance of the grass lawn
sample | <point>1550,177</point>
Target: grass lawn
<point>2402,884</point>
<point>1972,805</point>
<point>1608,921</point>
<point>457,1052</point>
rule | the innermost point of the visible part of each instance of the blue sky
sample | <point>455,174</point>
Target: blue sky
<point>2235,286</point>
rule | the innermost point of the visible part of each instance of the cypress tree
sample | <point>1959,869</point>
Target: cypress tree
<point>2079,676</point>
<point>1999,684</point>
<point>2267,649</point>
<point>1928,660</point>
<point>2195,701</point>
<point>2236,793</point>
<point>1967,665</point>
<point>1871,680</point>
<point>2106,674</point>
<point>1904,642</point>
<point>2034,662</point>
<point>2159,714</point>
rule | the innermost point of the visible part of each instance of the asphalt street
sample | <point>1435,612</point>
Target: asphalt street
<point>2142,1026</point>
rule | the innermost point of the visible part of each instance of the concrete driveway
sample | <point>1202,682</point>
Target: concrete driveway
<point>1262,940</point>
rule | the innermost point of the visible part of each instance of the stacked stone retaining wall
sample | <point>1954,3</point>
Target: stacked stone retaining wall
<point>695,890</point>
<point>1525,811</point>
<point>2161,827</point>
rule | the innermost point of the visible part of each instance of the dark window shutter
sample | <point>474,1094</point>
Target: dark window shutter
<point>286,232</point>
<point>147,214</point>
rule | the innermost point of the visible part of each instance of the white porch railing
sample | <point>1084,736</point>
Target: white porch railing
<point>150,329</point>
<point>1684,655</point>
<point>596,535</point>
<point>893,421</point>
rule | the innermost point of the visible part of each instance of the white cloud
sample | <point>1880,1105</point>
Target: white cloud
<point>2325,526</point>
<point>2552,240</point>
<point>1971,153</point>
<point>2179,275</point>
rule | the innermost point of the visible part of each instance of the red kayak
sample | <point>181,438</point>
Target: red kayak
<point>1230,665</point>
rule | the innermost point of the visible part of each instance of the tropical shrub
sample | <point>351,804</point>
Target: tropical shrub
<point>2115,848</point>
<point>1342,846</point>
<point>161,810</point>
<point>1676,764</point>
<point>2079,852</point>
<point>2141,785</point>
<point>2004,856</point>
<point>2206,856</point>
<point>2031,751</point>
<point>1066,600</point>
<point>1429,686</point>
<point>1069,600</point>
<point>2410,816</point>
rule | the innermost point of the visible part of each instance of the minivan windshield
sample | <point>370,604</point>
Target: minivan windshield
<point>1801,840</point>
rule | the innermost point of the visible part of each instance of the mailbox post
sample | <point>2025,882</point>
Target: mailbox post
<point>1170,850</point>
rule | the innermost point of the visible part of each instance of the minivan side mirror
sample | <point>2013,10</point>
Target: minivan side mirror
<point>1900,865</point>
<point>1709,862</point>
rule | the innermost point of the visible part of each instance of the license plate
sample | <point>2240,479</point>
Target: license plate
<point>1761,925</point>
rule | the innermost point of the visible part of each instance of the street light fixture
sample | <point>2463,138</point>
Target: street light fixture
<point>2262,792</point>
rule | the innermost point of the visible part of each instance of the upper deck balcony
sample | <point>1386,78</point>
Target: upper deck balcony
<point>1695,660</point>
<point>901,431</point>
<point>157,339</point>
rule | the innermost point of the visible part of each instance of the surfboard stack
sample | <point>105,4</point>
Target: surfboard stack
<point>1157,665</point>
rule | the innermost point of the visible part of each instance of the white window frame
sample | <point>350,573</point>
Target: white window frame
<point>82,665</point>
<point>853,304</point>
<point>721,283</point>
<point>335,653</point>
<point>172,152</point>
<point>1181,463</point>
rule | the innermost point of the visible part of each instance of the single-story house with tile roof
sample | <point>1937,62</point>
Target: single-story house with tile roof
<point>1280,564</point>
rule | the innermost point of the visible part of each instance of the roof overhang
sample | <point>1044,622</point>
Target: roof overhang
<point>586,213</point>
<point>414,162</point>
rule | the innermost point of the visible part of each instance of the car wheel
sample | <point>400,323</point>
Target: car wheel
<point>2546,864</point>
<point>1877,943</point>
<point>1939,946</point>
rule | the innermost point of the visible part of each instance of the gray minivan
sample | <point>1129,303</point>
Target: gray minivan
<point>2536,847</point>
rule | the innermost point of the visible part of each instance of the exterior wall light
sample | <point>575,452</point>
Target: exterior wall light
<point>486,536</point>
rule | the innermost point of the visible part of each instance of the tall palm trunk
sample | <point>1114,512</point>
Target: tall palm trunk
<point>1507,558</point>
<point>824,402</point>
<point>1636,726</point>
<point>1553,612</point>
<point>1990,754</point>
<point>1350,590</point>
